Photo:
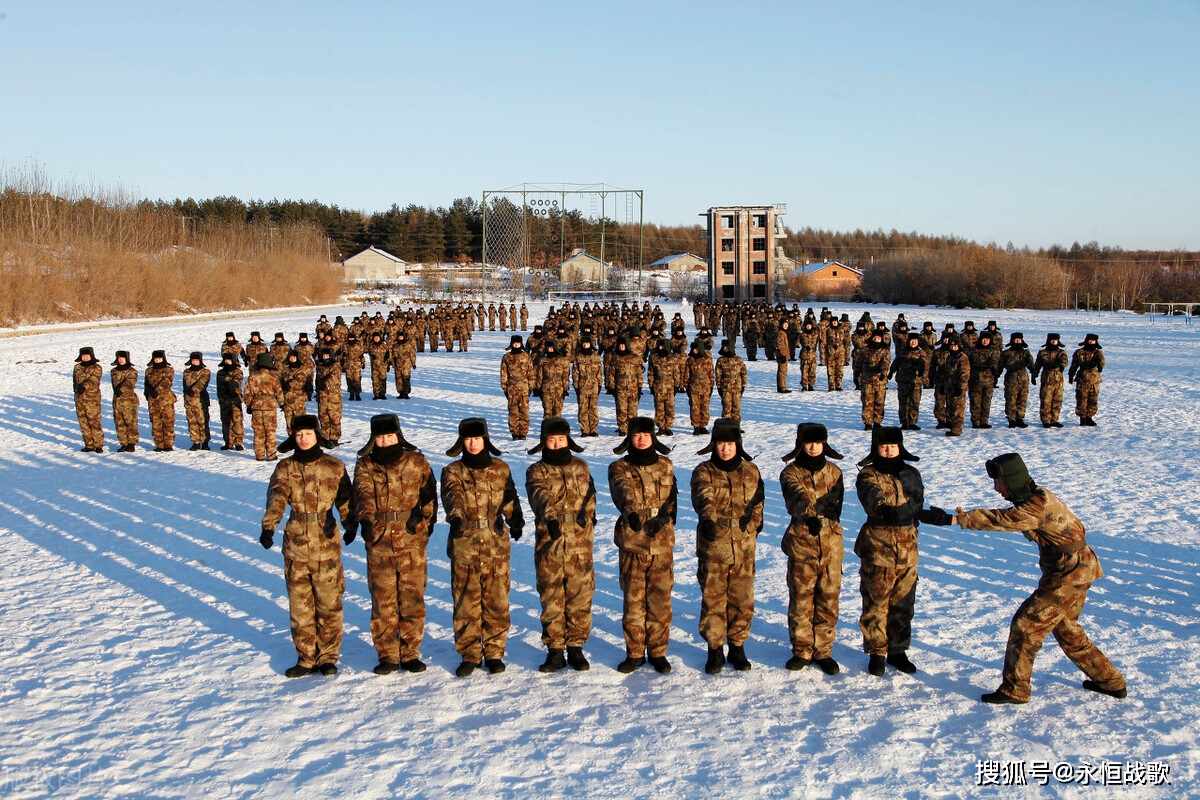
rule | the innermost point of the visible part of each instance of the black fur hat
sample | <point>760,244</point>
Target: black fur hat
<point>515,342</point>
<point>120,353</point>
<point>808,433</point>
<point>1050,336</point>
<point>641,425</point>
<point>196,355</point>
<point>305,422</point>
<point>471,427</point>
<point>157,354</point>
<point>1012,337</point>
<point>725,430</point>
<point>1091,338</point>
<point>381,425</point>
<point>555,426</point>
<point>889,434</point>
<point>86,351</point>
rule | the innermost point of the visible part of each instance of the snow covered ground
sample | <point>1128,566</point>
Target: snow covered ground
<point>145,631</point>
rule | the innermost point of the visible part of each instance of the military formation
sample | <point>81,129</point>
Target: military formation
<point>392,496</point>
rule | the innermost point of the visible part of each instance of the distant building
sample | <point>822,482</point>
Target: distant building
<point>680,262</point>
<point>374,264</point>
<point>582,268</point>
<point>744,252</point>
<point>831,280</point>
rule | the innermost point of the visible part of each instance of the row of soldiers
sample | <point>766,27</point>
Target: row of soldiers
<point>393,501</point>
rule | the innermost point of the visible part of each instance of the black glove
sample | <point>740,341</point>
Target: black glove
<point>351,530</point>
<point>267,538</point>
<point>553,529</point>
<point>80,388</point>
<point>745,520</point>
<point>455,528</point>
<point>813,524</point>
<point>1070,379</point>
<point>365,528</point>
<point>249,409</point>
<point>708,530</point>
<point>581,519</point>
<point>515,530</point>
<point>1033,380</point>
<point>634,522</point>
<point>654,525</point>
<point>934,516</point>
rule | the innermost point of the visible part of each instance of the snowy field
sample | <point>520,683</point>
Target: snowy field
<point>146,632</point>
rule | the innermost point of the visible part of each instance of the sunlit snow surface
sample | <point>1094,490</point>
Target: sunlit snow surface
<point>145,631</point>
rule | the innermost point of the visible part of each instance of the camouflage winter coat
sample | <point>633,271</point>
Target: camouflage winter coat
<point>313,491</point>
<point>650,493</point>
<point>565,494</point>
<point>733,501</point>
<point>396,502</point>
<point>891,501</point>
<point>483,499</point>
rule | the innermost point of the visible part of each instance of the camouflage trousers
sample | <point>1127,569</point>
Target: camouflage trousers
<point>874,397</point>
<point>1051,397</point>
<point>956,411</point>
<point>1046,611</point>
<point>315,591</point>
<point>125,415</point>
<point>479,588</point>
<point>294,404</point>
<point>329,414</point>
<point>939,404</point>
<point>379,380</point>
<point>589,410</point>
<point>1087,393</point>
<point>808,370</point>
<point>162,422</point>
<point>731,404</point>
<point>89,422</point>
<point>834,373</point>
<point>646,583</point>
<point>433,341</point>
<point>565,584</point>
<point>196,411</point>
<point>664,408</point>
<point>552,400</point>
<point>888,600</point>
<point>814,586</point>
<point>518,411</point>
<point>781,370</point>
<point>627,407</point>
<point>264,424</point>
<point>462,342</point>
<point>1016,398</point>
<point>231,424</point>
<point>698,402</point>
<point>726,600</point>
<point>354,380</point>
<point>397,585</point>
<point>909,400</point>
<point>981,402</point>
<point>403,379</point>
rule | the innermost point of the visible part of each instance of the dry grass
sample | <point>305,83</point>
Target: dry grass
<point>70,253</point>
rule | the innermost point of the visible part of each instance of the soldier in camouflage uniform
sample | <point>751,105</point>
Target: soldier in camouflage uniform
<point>627,383</point>
<point>280,348</point>
<point>1016,361</point>
<point>1050,362</point>
<point>874,362</point>
<point>956,379</point>
<point>808,339</point>
<point>196,400</point>
<point>662,375</point>
<point>985,368</point>
<point>264,398</point>
<point>1086,365</point>
<point>554,380</point>
<point>892,495</point>
<point>380,354</point>
<point>909,371</point>
<point>255,347</point>
<point>781,357</point>
<point>586,379</point>
<point>85,380</point>
<point>312,484</point>
<point>936,366</point>
<point>524,317</point>
<point>727,494</point>
<point>329,395</point>
<point>352,364</point>
<point>813,490</point>
<point>730,373</point>
<point>160,401</point>
<point>229,401</point>
<point>479,497</point>
<point>291,379</point>
<point>395,497</point>
<point>404,361</point>
<point>491,316</point>
<point>125,401</point>
<point>517,379</point>
<point>1069,566</point>
<point>642,485</point>
<point>231,345</point>
<point>835,354</point>
<point>698,378</point>
<point>306,349</point>
<point>563,498</point>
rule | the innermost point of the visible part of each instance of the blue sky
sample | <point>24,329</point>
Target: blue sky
<point>1031,122</point>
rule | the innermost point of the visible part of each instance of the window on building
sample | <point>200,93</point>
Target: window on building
<point>760,268</point>
<point>759,290</point>
<point>727,245</point>
<point>760,244</point>
<point>835,273</point>
<point>727,292</point>
<point>726,267</point>
<point>760,220</point>
<point>727,220</point>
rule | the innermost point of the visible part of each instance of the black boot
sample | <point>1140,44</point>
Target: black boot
<point>413,665</point>
<point>660,664</point>
<point>1092,686</point>
<point>494,665</point>
<point>999,698</point>
<point>577,660</point>
<point>1021,423</point>
<point>900,661</point>
<point>297,671</point>
<point>876,665</point>
<point>737,658</point>
<point>1012,423</point>
<point>385,668</point>
<point>797,663</point>
<point>466,668</point>
<point>716,660</point>
<point>630,663</point>
<point>554,661</point>
<point>829,666</point>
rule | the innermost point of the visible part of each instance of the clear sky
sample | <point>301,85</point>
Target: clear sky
<point>1031,122</point>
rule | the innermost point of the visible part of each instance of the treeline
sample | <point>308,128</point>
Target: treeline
<point>72,255</point>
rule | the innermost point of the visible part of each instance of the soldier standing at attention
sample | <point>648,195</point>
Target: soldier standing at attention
<point>231,345</point>
<point>352,364</point>
<point>642,485</point>
<point>517,379</point>
<point>956,378</point>
<point>196,400</point>
<point>85,380</point>
<point>377,351</point>
<point>663,379</point>
<point>479,497</point>
<point>1069,566</point>
<point>985,368</point>
<point>1086,365</point>
<point>292,380</point>
<point>1050,362</point>
<point>781,357</point>
<point>229,400</point>
<point>554,376</point>
<point>731,380</point>
<point>874,363</point>
<point>254,347</point>
<point>909,370</point>
<point>698,377</point>
<point>1016,361</point>
<point>312,484</point>
<point>125,401</point>
<point>160,401</point>
<point>727,494</point>
<point>813,490</point>
<point>586,378</point>
<point>563,498</point>
<point>329,395</point>
<point>264,398</point>
<point>279,349</point>
<point>627,383</point>
<point>395,497</point>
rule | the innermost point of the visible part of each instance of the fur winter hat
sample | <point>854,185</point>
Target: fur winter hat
<point>515,343</point>
<point>1010,468</point>
<point>381,425</point>
<point>471,427</point>
<point>157,354</point>
<point>1053,337</point>
<point>118,355</point>
<point>726,348</point>
<point>725,430</point>
<point>810,433</point>
<point>889,434</point>
<point>1091,339</point>
<point>255,336</point>
<point>86,351</point>
<point>196,355</point>
<point>230,337</point>
<point>1012,338</point>
<point>279,336</point>
<point>555,426</point>
<point>305,422</point>
<point>641,425</point>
